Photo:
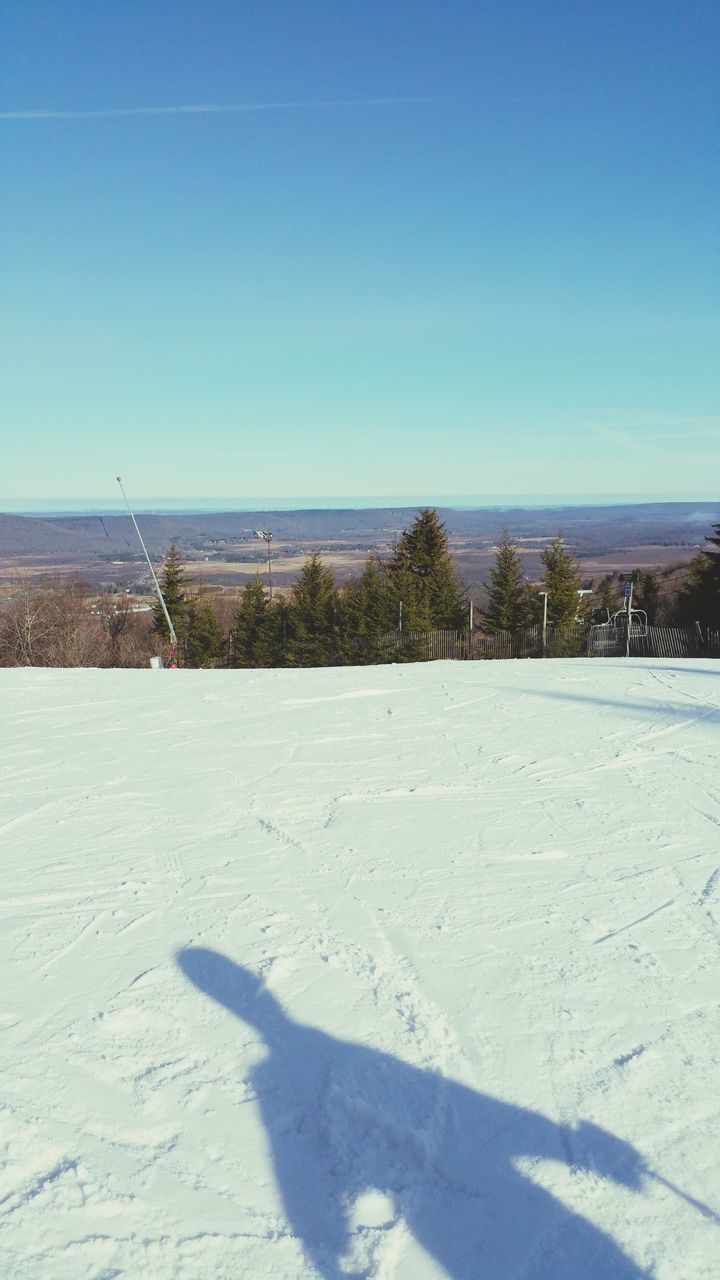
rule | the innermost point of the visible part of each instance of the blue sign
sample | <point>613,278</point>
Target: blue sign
<point>628,589</point>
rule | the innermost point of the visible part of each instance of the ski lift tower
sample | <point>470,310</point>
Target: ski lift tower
<point>628,594</point>
<point>266,536</point>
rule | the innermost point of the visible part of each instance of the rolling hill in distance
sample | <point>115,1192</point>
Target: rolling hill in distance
<point>222,546</point>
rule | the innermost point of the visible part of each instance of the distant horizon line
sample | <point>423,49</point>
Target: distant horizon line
<point>194,504</point>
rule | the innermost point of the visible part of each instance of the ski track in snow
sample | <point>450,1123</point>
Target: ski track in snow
<point>420,860</point>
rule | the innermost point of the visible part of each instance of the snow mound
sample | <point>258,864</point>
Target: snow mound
<point>395,973</point>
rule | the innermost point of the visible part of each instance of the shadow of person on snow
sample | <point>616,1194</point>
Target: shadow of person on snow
<point>343,1119</point>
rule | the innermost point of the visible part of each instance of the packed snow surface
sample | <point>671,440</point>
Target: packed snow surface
<point>403,972</point>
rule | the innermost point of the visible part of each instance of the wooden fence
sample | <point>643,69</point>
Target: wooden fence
<point>432,646</point>
<point>677,642</point>
<point>561,642</point>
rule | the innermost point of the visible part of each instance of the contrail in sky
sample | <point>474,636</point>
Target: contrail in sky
<point>204,108</point>
<point>237,108</point>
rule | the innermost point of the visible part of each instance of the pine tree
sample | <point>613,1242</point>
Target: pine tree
<point>172,585</point>
<point>506,605</point>
<point>606,595</point>
<point>714,556</point>
<point>699,599</point>
<point>423,567</point>
<point>531,605</point>
<point>281,630</point>
<point>562,583</point>
<point>203,640</point>
<point>407,610</point>
<point>253,633</point>
<point>369,614</point>
<point>279,633</point>
<point>314,616</point>
<point>647,596</point>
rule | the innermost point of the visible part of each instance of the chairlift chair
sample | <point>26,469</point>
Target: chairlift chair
<point>636,625</point>
<point>605,639</point>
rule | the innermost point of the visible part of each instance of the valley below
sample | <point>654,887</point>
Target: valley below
<point>223,550</point>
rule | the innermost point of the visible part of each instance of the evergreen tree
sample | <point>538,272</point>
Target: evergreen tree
<point>606,595</point>
<point>507,603</point>
<point>422,567</point>
<point>203,639</point>
<point>714,556</point>
<point>647,596</point>
<point>406,606</point>
<point>172,585</point>
<point>279,632</point>
<point>254,635</point>
<point>562,583</point>
<point>314,617</point>
<point>369,613</point>
<point>699,599</point>
<point>531,605</point>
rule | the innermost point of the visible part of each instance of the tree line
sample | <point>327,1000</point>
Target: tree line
<point>319,623</point>
<point>514,602</point>
<point>416,589</point>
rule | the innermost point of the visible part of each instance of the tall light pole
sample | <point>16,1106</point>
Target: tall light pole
<point>544,595</point>
<point>584,591</point>
<point>266,535</point>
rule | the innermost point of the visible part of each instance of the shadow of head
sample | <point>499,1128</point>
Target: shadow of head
<point>608,1156</point>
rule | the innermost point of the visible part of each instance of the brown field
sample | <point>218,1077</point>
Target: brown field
<point>221,552</point>
<point>474,563</point>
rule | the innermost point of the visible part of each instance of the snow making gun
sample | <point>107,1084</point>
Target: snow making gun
<point>171,629</point>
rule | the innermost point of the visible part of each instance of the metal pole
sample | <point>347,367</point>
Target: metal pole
<point>544,595</point>
<point>400,617</point>
<point>266,536</point>
<point>470,625</point>
<point>629,615</point>
<point>171,629</point>
<point>704,1209</point>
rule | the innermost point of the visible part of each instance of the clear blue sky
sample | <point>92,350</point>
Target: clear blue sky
<point>502,277</point>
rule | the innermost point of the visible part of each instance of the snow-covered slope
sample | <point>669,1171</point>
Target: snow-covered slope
<point>402,973</point>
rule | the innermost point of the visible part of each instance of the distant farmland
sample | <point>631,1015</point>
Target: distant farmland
<point>221,547</point>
